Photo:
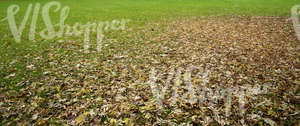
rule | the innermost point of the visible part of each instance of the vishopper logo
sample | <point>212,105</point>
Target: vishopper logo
<point>169,90</point>
<point>60,29</point>
<point>295,18</point>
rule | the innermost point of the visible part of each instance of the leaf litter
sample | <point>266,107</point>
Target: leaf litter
<point>111,87</point>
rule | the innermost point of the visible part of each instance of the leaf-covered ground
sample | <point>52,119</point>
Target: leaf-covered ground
<point>114,86</point>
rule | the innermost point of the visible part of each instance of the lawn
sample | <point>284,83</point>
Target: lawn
<point>237,44</point>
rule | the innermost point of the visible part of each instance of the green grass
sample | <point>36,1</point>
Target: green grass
<point>139,12</point>
<point>15,57</point>
<point>155,9</point>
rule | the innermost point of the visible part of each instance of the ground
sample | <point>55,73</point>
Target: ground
<point>246,53</point>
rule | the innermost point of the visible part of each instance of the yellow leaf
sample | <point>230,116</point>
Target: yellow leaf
<point>83,91</point>
<point>198,81</point>
<point>112,121</point>
<point>81,117</point>
<point>297,82</point>
<point>127,122</point>
<point>99,99</point>
<point>178,82</point>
